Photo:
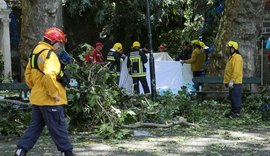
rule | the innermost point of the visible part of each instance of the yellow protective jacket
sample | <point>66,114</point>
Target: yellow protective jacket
<point>234,69</point>
<point>44,87</point>
<point>197,59</point>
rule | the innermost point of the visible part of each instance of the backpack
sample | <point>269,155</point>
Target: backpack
<point>64,75</point>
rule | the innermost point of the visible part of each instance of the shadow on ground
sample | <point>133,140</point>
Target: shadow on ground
<point>162,142</point>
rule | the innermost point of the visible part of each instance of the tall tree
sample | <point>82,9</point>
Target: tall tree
<point>241,22</point>
<point>36,17</point>
<point>124,21</point>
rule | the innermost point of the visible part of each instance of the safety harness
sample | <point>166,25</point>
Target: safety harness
<point>34,59</point>
<point>62,77</point>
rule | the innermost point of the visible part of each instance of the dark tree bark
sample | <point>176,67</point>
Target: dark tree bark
<point>36,16</point>
<point>241,22</point>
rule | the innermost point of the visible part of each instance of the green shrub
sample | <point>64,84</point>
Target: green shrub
<point>14,119</point>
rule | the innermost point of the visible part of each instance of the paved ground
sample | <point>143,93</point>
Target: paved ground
<point>219,142</point>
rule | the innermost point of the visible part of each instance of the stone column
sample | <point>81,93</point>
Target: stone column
<point>6,49</point>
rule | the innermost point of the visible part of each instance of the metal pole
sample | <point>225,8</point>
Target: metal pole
<point>262,61</point>
<point>151,57</point>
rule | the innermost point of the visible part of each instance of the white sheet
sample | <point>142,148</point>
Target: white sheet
<point>161,56</point>
<point>125,78</point>
<point>170,75</point>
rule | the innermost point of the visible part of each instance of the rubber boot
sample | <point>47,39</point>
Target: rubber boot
<point>20,152</point>
<point>68,153</point>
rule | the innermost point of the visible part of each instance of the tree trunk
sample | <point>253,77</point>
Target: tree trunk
<point>36,16</point>
<point>241,22</point>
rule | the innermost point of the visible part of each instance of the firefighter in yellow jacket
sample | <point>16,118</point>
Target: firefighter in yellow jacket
<point>47,95</point>
<point>233,78</point>
<point>197,60</point>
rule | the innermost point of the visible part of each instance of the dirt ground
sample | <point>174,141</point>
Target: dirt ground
<point>161,142</point>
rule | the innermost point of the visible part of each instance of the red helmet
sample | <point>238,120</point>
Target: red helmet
<point>55,35</point>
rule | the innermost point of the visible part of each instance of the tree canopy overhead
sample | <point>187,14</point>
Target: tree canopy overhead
<point>172,20</point>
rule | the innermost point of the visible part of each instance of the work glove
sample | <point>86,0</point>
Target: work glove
<point>230,85</point>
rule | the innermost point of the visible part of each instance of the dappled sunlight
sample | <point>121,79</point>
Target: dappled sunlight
<point>101,149</point>
<point>223,141</point>
<point>228,140</point>
<point>142,145</point>
<point>246,135</point>
<point>218,142</point>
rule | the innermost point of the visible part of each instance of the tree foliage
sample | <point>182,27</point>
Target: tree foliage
<point>172,21</point>
<point>97,102</point>
<point>14,120</point>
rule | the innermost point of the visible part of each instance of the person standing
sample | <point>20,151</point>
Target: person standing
<point>136,61</point>
<point>162,47</point>
<point>186,52</point>
<point>97,56</point>
<point>205,49</point>
<point>47,95</point>
<point>197,60</point>
<point>89,57</point>
<point>233,78</point>
<point>114,57</point>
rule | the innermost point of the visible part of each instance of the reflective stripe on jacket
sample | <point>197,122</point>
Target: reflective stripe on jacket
<point>115,64</point>
<point>136,61</point>
<point>234,69</point>
<point>44,87</point>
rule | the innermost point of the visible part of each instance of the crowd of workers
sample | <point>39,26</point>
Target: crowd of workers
<point>136,64</point>
<point>45,76</point>
<point>194,53</point>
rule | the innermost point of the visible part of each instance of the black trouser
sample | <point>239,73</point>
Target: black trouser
<point>235,95</point>
<point>143,81</point>
<point>53,117</point>
<point>198,74</point>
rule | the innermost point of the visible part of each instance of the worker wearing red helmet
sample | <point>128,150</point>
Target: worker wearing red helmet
<point>96,56</point>
<point>162,48</point>
<point>47,95</point>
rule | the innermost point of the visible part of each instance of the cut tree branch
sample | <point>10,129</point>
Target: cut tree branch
<point>179,121</point>
<point>104,110</point>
